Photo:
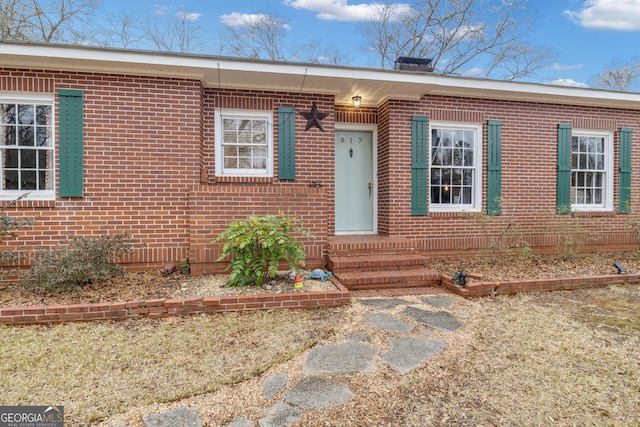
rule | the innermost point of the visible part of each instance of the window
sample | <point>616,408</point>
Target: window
<point>455,173</point>
<point>26,142</point>
<point>244,143</point>
<point>591,170</point>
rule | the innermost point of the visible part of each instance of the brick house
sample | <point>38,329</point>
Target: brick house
<point>169,148</point>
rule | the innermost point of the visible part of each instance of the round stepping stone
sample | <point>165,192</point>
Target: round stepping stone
<point>350,356</point>
<point>388,323</point>
<point>408,353</point>
<point>181,416</point>
<point>383,303</point>
<point>280,415</point>
<point>241,422</point>
<point>439,301</point>
<point>358,336</point>
<point>318,393</point>
<point>440,320</point>
<point>273,384</point>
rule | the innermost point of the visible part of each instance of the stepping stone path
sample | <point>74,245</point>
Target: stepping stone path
<point>356,354</point>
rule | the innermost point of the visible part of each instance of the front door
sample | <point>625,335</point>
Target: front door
<point>355,186</point>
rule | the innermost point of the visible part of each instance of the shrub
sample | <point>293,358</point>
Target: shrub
<point>258,244</point>
<point>8,225</point>
<point>81,262</point>
<point>571,233</point>
<point>500,232</point>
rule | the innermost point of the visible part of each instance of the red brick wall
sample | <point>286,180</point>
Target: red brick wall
<point>149,168</point>
<point>141,147</point>
<point>529,162</point>
<point>148,147</point>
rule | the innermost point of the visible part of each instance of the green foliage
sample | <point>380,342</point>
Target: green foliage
<point>8,226</point>
<point>81,262</point>
<point>258,244</point>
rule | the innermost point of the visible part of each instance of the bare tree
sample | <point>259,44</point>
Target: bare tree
<point>177,32</point>
<point>122,30</point>
<point>313,52</point>
<point>259,35</point>
<point>486,36</point>
<point>45,20</point>
<point>264,35</point>
<point>619,75</point>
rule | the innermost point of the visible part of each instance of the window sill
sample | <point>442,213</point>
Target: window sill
<point>590,214</point>
<point>33,204</point>
<point>243,179</point>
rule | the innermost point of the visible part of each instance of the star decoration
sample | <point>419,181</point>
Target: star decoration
<point>314,118</point>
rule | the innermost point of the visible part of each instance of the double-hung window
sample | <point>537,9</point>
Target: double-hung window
<point>455,167</point>
<point>591,170</point>
<point>27,147</point>
<point>244,143</point>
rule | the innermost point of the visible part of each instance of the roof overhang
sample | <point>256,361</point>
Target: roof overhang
<point>375,86</point>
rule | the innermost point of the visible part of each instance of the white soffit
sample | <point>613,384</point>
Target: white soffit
<point>373,85</point>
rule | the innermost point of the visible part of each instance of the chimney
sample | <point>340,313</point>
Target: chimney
<point>406,63</point>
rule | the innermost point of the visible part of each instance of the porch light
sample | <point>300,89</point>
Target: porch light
<point>356,101</point>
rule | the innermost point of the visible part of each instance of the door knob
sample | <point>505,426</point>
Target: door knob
<point>370,187</point>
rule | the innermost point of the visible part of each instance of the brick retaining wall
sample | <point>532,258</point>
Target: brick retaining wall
<point>485,288</point>
<point>163,307</point>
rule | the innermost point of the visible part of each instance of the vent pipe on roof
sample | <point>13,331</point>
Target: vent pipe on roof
<point>406,63</point>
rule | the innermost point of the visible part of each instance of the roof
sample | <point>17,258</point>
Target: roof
<point>375,86</point>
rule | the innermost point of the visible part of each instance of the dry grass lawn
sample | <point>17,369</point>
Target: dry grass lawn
<point>552,359</point>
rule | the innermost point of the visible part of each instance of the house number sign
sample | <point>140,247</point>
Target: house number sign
<point>350,139</point>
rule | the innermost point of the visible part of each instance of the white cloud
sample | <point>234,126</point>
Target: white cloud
<point>340,10</point>
<point>568,82</point>
<point>622,15</point>
<point>236,19</point>
<point>189,16</point>
<point>560,67</point>
<point>159,9</point>
<point>475,72</point>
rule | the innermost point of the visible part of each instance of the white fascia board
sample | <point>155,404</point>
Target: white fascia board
<point>342,82</point>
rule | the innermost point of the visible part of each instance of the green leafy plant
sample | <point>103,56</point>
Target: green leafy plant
<point>81,262</point>
<point>257,245</point>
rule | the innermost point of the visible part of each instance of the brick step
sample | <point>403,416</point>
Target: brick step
<point>389,279</point>
<point>358,246</point>
<point>341,264</point>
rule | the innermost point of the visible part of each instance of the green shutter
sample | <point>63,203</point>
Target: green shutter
<point>494,167</point>
<point>563,202</point>
<point>70,142</point>
<point>624,183</point>
<point>286,143</point>
<point>419,164</point>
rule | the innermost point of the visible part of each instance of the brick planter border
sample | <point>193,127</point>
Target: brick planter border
<point>485,288</point>
<point>163,307</point>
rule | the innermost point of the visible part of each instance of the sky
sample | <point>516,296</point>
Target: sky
<point>585,35</point>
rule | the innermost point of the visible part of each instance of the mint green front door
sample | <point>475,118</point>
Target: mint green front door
<point>355,186</point>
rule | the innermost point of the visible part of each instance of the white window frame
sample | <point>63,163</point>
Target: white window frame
<point>49,194</point>
<point>221,114</point>
<point>607,198</point>
<point>476,192</point>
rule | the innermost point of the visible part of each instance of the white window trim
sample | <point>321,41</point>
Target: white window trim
<point>17,98</point>
<point>476,206</point>
<point>243,114</point>
<point>608,176</point>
